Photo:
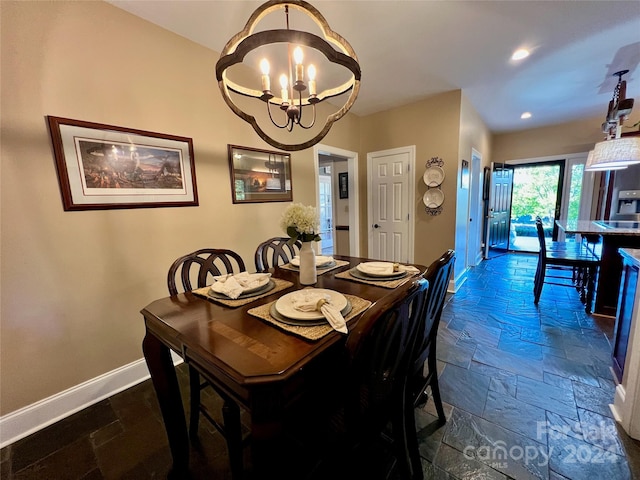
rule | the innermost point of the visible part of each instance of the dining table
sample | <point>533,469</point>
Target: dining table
<point>605,238</point>
<point>264,365</point>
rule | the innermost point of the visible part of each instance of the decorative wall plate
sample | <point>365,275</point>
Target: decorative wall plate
<point>433,198</point>
<point>433,176</point>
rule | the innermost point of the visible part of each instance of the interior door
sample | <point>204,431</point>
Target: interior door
<point>389,210</point>
<point>499,213</point>
<point>326,214</point>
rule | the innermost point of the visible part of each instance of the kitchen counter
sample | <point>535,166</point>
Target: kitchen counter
<point>626,347</point>
<point>600,227</point>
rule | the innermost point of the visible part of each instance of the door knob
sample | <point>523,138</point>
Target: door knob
<point>375,225</point>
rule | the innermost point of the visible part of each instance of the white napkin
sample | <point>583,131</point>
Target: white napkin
<point>234,285</point>
<point>310,301</point>
<point>388,268</point>
<point>320,260</point>
<point>408,268</point>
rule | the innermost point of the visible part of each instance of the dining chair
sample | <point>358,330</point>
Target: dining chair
<point>364,392</point>
<point>575,267</point>
<point>423,372</point>
<point>275,251</point>
<point>188,272</point>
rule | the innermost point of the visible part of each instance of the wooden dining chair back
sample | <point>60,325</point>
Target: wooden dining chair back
<point>423,373</point>
<point>188,272</point>
<point>369,388</point>
<point>197,269</point>
<point>275,251</point>
<point>575,267</point>
<point>378,350</point>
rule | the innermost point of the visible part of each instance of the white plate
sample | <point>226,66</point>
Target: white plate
<point>284,305</point>
<point>377,269</point>
<point>433,198</point>
<point>321,261</point>
<point>433,176</point>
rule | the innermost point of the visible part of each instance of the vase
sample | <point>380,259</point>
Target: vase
<point>308,274</point>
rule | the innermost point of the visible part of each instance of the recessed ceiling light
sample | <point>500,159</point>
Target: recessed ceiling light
<point>525,115</point>
<point>520,54</point>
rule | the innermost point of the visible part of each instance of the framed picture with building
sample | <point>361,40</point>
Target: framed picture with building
<point>259,175</point>
<point>105,166</point>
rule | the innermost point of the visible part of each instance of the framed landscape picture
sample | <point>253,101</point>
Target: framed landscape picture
<point>259,175</point>
<point>105,166</point>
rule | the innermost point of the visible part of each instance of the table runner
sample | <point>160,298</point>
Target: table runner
<point>239,302</point>
<point>358,305</point>
<point>319,270</point>
<point>384,283</point>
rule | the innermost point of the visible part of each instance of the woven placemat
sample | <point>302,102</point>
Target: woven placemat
<point>358,305</point>
<point>384,283</point>
<point>319,271</point>
<point>280,285</point>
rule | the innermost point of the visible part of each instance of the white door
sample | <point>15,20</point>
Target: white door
<point>390,205</point>
<point>326,214</point>
<point>474,224</point>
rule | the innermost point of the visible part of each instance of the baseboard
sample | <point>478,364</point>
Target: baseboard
<point>34,417</point>
<point>456,283</point>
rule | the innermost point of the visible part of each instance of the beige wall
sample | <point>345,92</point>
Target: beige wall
<point>74,282</point>
<point>474,135</point>
<point>432,125</point>
<point>556,140</point>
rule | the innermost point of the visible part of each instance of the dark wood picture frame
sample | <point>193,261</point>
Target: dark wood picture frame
<point>259,175</point>
<point>108,167</point>
<point>464,175</point>
<point>343,184</point>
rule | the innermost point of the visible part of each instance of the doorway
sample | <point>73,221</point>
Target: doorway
<point>337,202</point>
<point>325,210</point>
<point>549,187</point>
<point>537,192</point>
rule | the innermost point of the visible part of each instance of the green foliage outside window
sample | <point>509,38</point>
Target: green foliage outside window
<point>534,192</point>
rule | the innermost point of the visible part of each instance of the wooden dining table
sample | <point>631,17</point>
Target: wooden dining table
<point>263,368</point>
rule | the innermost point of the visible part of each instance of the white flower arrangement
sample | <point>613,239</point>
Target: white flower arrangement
<point>301,222</point>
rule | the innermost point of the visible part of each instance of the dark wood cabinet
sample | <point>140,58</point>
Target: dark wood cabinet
<point>624,315</point>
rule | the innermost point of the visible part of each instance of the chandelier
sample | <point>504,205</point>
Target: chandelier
<point>615,152</point>
<point>296,105</point>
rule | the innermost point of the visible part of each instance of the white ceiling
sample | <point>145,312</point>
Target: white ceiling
<point>409,50</point>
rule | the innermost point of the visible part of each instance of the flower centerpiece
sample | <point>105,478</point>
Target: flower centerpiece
<point>301,222</point>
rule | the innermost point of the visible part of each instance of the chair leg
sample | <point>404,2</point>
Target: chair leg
<point>538,285</point>
<point>233,433</point>
<point>194,402</point>
<point>535,279</point>
<point>405,439</point>
<point>435,388</point>
<point>591,278</point>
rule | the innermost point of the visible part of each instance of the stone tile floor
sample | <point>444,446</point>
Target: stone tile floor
<point>526,393</point>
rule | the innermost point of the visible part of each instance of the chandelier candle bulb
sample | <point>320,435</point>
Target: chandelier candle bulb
<point>297,56</point>
<point>311,71</point>
<point>284,92</point>
<point>266,83</point>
